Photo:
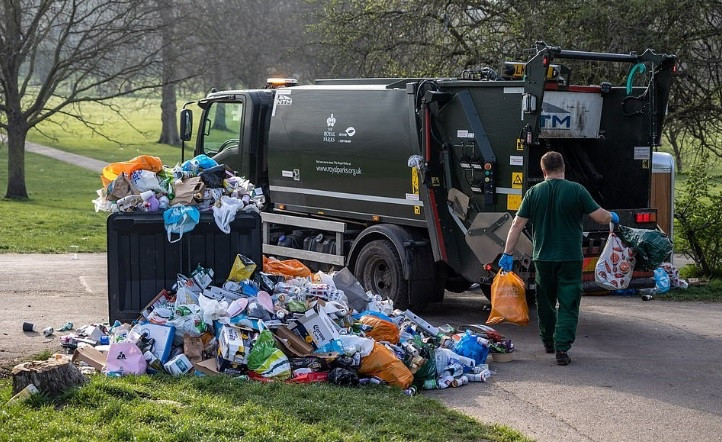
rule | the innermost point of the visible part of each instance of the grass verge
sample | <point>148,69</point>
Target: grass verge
<point>221,408</point>
<point>711,292</point>
<point>59,212</point>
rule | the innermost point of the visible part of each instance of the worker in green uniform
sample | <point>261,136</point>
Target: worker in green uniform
<point>556,207</point>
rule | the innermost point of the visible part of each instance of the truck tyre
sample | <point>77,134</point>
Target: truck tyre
<point>378,269</point>
<point>458,285</point>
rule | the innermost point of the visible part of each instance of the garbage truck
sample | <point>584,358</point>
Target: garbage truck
<point>412,183</point>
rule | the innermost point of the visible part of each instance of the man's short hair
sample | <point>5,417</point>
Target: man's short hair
<point>552,162</point>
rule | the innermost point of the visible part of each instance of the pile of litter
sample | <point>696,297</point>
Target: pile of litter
<point>287,324</point>
<point>144,184</point>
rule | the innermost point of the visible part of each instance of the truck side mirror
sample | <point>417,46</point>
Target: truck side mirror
<point>186,124</point>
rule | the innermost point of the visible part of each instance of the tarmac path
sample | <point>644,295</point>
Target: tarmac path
<point>643,371</point>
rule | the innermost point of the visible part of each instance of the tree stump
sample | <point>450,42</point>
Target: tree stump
<point>52,377</point>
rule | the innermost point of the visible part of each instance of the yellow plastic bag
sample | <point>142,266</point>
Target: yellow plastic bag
<point>508,300</point>
<point>243,268</point>
<point>141,162</point>
<point>384,364</point>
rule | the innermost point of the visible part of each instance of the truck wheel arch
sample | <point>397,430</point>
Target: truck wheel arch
<point>397,235</point>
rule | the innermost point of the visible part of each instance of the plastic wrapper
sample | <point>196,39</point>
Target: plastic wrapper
<point>615,265</point>
<point>381,330</point>
<point>384,364</point>
<point>508,300</point>
<point>141,162</point>
<point>267,360</point>
<point>242,269</point>
<point>288,267</point>
<point>651,247</point>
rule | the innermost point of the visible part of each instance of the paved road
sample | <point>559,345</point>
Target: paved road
<point>640,371</point>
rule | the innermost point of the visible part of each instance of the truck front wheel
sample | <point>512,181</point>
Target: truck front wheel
<point>378,269</point>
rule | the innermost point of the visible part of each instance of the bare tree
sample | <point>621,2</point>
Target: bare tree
<point>169,127</point>
<point>89,50</point>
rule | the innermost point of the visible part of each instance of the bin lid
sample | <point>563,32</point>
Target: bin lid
<point>662,162</point>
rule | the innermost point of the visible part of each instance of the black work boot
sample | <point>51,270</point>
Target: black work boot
<point>549,347</point>
<point>563,358</point>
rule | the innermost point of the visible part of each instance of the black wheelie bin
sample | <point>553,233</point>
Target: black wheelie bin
<point>142,262</point>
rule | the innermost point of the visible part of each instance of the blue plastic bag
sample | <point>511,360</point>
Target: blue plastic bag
<point>180,219</point>
<point>200,162</point>
<point>661,280</point>
<point>470,347</point>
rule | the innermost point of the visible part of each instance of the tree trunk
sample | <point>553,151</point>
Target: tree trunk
<point>169,127</point>
<point>16,161</point>
<point>169,131</point>
<point>52,377</point>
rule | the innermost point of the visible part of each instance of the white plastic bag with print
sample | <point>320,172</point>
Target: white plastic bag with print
<point>616,264</point>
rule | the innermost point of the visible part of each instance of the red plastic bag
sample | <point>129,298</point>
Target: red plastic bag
<point>615,265</point>
<point>382,330</point>
<point>508,300</point>
<point>384,364</point>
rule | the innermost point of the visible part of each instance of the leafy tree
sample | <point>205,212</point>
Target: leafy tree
<point>700,219</point>
<point>58,54</point>
<point>438,38</point>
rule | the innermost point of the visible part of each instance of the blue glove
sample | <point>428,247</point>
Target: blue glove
<point>505,262</point>
<point>615,217</point>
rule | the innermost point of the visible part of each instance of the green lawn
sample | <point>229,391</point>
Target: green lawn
<point>59,212</point>
<point>162,408</point>
<point>134,133</point>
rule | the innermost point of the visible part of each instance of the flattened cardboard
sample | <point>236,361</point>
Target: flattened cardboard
<point>207,367</point>
<point>90,356</point>
<point>291,344</point>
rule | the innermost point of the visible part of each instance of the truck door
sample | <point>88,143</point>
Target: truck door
<point>223,133</point>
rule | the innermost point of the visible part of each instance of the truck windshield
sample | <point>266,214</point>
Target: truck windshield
<point>222,127</point>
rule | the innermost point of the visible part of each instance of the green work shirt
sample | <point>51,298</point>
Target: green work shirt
<point>555,208</point>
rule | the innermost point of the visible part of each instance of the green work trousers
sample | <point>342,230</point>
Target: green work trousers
<point>558,282</point>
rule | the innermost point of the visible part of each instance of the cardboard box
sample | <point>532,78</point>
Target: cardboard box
<point>234,344</point>
<point>291,344</point>
<point>315,327</point>
<point>90,356</point>
<point>162,336</point>
<point>178,365</point>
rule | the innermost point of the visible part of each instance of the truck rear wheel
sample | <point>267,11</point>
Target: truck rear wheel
<point>378,269</point>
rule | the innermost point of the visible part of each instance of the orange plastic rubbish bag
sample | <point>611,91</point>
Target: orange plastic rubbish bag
<point>383,364</point>
<point>141,162</point>
<point>287,267</point>
<point>508,300</point>
<point>382,330</point>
